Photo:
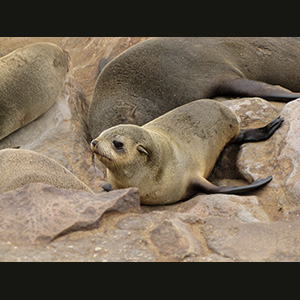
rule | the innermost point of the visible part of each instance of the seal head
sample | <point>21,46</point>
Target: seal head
<point>124,149</point>
<point>136,157</point>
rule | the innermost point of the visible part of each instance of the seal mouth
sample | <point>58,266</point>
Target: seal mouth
<point>100,153</point>
<point>101,156</point>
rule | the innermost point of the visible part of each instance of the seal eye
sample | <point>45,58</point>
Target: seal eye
<point>118,145</point>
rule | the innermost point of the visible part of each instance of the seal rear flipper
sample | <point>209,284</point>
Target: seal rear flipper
<point>242,87</point>
<point>259,134</point>
<point>203,186</point>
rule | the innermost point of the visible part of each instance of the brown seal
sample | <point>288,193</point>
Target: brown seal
<point>31,79</point>
<point>169,158</point>
<point>160,74</point>
<point>19,167</point>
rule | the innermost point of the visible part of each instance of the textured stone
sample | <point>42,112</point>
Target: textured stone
<point>241,208</point>
<point>39,213</point>
<point>278,156</point>
<point>130,236</point>
<point>174,240</point>
<point>277,241</point>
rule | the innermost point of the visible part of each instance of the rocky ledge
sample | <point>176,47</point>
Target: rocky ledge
<point>39,222</point>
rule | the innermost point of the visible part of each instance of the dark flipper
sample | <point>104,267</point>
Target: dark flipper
<point>107,187</point>
<point>245,189</point>
<point>259,134</point>
<point>242,87</point>
<point>203,186</point>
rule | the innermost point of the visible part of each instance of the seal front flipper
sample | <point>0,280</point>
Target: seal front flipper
<point>242,87</point>
<point>259,134</point>
<point>201,185</point>
<point>107,187</point>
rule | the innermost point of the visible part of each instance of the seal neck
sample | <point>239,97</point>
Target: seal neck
<point>162,152</point>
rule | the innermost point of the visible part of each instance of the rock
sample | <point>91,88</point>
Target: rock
<point>278,241</point>
<point>175,241</point>
<point>252,113</point>
<point>129,236</point>
<point>39,213</point>
<point>241,208</point>
<point>278,156</point>
<point>170,234</point>
<point>113,246</point>
<point>253,160</point>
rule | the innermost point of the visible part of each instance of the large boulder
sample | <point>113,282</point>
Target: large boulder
<point>278,241</point>
<point>39,213</point>
<point>278,156</point>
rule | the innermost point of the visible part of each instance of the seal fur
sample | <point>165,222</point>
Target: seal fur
<point>169,158</point>
<point>19,167</point>
<point>160,74</point>
<point>31,79</point>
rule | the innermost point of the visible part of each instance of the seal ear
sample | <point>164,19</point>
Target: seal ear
<point>142,150</point>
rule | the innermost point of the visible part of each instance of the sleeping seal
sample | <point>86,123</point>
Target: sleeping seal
<point>169,158</point>
<point>160,74</point>
<point>31,79</point>
<point>19,167</point>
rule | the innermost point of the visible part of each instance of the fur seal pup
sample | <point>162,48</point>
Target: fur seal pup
<point>169,158</point>
<point>19,167</point>
<point>31,79</point>
<point>160,74</point>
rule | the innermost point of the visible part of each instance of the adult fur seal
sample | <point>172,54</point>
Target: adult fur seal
<point>160,74</point>
<point>31,79</point>
<point>21,167</point>
<point>169,158</point>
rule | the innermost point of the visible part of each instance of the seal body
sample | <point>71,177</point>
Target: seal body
<point>164,157</point>
<point>31,79</point>
<point>160,74</point>
<point>19,167</point>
